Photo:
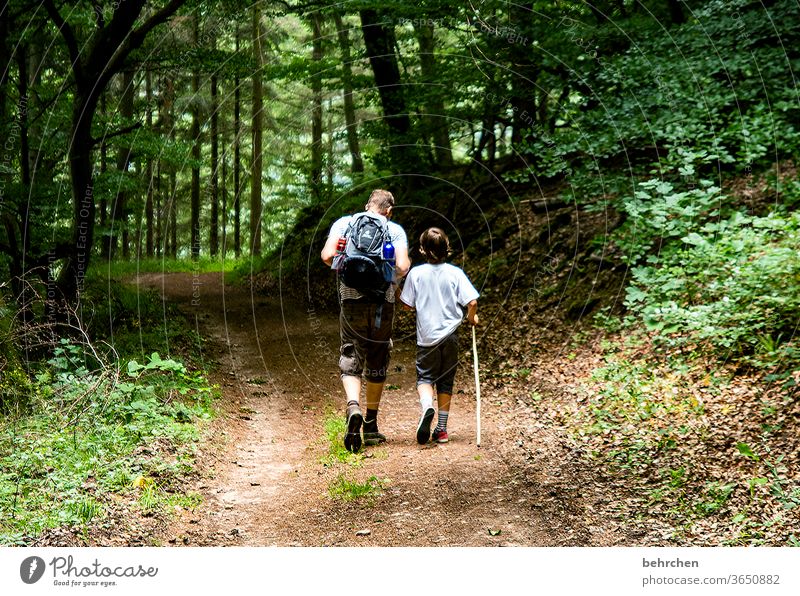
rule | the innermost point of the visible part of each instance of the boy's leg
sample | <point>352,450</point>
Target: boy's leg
<point>425,391</point>
<point>428,360</point>
<point>444,385</point>
<point>440,433</point>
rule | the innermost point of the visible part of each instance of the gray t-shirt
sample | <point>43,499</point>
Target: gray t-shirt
<point>399,239</point>
<point>439,294</point>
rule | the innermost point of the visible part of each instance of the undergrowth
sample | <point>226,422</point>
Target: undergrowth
<point>93,434</point>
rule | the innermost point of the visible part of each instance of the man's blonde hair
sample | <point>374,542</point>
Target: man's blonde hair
<point>380,199</point>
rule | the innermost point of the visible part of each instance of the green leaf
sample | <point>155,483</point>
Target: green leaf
<point>494,532</point>
<point>745,450</point>
<point>694,239</point>
<point>634,294</point>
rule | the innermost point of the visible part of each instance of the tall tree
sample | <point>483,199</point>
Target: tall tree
<point>357,163</point>
<point>316,107</point>
<point>195,198</point>
<point>436,119</point>
<point>214,224</point>
<point>380,42</point>
<point>94,61</point>
<point>119,217</point>
<point>257,126</point>
<point>148,205</point>
<point>237,159</point>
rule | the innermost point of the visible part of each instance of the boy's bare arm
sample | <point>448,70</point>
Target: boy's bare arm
<point>472,312</point>
<point>403,304</point>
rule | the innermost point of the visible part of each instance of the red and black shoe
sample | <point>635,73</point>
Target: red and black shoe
<point>440,436</point>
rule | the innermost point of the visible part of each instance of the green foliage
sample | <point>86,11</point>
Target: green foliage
<point>657,213</point>
<point>92,434</point>
<point>351,490</point>
<point>733,285</point>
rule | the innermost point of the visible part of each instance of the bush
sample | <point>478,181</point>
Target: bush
<point>733,285</point>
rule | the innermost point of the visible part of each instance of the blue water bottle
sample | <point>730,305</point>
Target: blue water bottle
<point>388,260</point>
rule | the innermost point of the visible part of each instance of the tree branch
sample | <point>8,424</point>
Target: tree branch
<point>116,133</point>
<point>69,37</point>
<point>137,36</point>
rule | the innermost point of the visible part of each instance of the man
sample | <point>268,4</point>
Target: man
<point>365,326</point>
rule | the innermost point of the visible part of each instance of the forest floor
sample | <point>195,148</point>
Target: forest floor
<point>267,477</point>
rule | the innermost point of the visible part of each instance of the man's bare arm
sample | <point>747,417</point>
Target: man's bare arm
<point>329,250</point>
<point>401,261</point>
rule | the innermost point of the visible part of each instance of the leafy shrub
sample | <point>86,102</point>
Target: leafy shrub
<point>83,438</point>
<point>734,285</point>
<point>658,213</point>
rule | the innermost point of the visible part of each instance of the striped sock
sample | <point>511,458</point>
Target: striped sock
<point>442,425</point>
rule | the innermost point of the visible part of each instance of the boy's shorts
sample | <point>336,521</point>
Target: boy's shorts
<point>436,365</point>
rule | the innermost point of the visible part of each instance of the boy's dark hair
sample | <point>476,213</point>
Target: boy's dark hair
<point>434,245</point>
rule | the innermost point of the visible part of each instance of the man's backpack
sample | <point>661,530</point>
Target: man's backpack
<point>361,265</point>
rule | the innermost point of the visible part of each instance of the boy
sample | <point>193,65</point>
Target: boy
<point>439,292</point>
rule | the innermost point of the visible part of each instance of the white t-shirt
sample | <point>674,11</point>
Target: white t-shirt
<point>439,293</point>
<point>399,240</point>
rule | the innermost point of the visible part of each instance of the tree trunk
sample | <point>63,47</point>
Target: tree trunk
<point>380,43</point>
<point>316,108</point>
<point>195,199</point>
<point>148,206</point>
<point>237,187</point>
<point>213,236</point>
<point>224,198</point>
<point>24,149</point>
<point>676,12</point>
<point>119,212</point>
<point>70,279</point>
<point>523,82</point>
<point>173,214</point>
<point>159,220</point>
<point>357,164</point>
<point>436,119</point>
<point>103,170</point>
<point>258,108</point>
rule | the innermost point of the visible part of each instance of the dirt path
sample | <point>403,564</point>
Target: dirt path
<point>264,482</point>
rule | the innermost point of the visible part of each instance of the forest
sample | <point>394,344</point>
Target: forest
<point>618,178</point>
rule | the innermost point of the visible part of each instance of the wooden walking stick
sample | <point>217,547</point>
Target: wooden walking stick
<point>477,384</point>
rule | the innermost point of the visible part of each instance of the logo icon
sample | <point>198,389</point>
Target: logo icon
<point>31,570</point>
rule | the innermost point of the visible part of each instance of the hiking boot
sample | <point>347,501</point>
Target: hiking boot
<point>371,434</point>
<point>440,436</point>
<point>424,428</point>
<point>352,436</point>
